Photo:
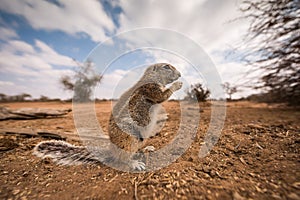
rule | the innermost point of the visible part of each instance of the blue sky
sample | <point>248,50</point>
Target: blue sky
<point>39,39</point>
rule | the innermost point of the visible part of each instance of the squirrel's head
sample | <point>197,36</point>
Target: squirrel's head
<point>163,73</point>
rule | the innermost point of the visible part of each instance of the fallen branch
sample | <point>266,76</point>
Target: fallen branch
<point>27,133</point>
<point>31,113</point>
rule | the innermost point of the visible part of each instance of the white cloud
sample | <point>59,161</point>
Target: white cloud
<point>13,46</point>
<point>6,83</point>
<point>7,33</point>
<point>212,24</point>
<point>21,57</point>
<point>115,83</point>
<point>205,21</point>
<point>30,68</point>
<point>47,54</point>
<point>73,17</point>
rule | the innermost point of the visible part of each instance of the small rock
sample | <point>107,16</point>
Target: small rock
<point>276,196</point>
<point>293,196</point>
<point>212,173</point>
<point>206,169</point>
<point>296,185</point>
<point>25,174</point>
<point>237,196</point>
<point>15,191</point>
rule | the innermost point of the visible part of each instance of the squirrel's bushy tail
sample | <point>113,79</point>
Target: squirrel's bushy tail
<point>64,153</point>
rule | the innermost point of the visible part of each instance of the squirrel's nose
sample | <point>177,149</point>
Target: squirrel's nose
<point>178,73</point>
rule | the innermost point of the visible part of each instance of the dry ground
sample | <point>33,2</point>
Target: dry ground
<point>257,157</point>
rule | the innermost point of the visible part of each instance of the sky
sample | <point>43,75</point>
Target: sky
<point>39,41</point>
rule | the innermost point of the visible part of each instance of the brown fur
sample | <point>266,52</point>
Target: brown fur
<point>132,114</point>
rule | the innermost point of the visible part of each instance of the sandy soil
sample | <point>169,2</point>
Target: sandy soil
<point>257,157</point>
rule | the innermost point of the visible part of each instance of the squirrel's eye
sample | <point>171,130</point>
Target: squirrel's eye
<point>166,67</point>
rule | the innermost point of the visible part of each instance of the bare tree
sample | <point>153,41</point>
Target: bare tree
<point>44,98</point>
<point>230,90</point>
<point>3,97</point>
<point>67,82</point>
<point>197,92</point>
<point>274,46</point>
<point>82,82</point>
<point>24,96</point>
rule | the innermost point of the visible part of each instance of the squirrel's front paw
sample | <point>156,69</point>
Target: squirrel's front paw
<point>176,86</point>
<point>149,149</point>
<point>138,165</point>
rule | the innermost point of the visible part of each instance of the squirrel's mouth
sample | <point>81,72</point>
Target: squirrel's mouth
<point>178,75</point>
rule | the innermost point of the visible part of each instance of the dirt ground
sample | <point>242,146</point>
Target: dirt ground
<point>256,157</point>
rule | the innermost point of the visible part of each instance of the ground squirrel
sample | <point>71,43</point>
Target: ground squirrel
<point>132,121</point>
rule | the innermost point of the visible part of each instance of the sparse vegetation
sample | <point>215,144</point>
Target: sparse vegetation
<point>273,47</point>
<point>230,90</point>
<point>15,98</point>
<point>24,97</point>
<point>197,92</point>
<point>84,79</point>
